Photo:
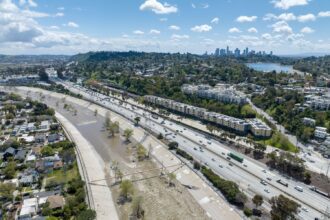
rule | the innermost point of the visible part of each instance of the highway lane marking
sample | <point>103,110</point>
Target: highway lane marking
<point>87,123</point>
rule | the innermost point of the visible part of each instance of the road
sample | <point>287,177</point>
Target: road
<point>214,154</point>
<point>314,162</point>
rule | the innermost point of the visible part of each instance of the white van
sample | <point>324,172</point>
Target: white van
<point>298,188</point>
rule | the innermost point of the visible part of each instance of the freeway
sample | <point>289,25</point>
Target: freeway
<point>213,154</point>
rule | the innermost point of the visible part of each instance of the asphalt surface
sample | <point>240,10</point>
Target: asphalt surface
<point>214,154</point>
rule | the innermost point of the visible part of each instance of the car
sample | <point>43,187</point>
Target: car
<point>244,165</point>
<point>264,171</point>
<point>200,141</point>
<point>230,164</point>
<point>299,188</point>
<point>220,166</point>
<point>268,178</point>
<point>213,159</point>
<point>201,150</point>
<point>228,158</point>
<point>304,209</point>
<point>195,148</point>
<point>209,142</point>
<point>263,182</point>
<point>173,136</point>
<point>223,153</point>
<point>266,190</point>
<point>206,164</point>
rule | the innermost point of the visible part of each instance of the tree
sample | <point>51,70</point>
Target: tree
<point>283,208</point>
<point>171,177</point>
<point>258,200</point>
<point>128,133</point>
<point>173,145</point>
<point>141,152</point>
<point>160,136</point>
<point>137,120</point>
<point>137,210</point>
<point>88,214</point>
<point>10,170</point>
<point>43,76</point>
<point>126,189</point>
<point>47,151</point>
<point>6,191</point>
<point>113,128</point>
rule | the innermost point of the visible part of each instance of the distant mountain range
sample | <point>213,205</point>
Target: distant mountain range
<point>32,59</point>
<point>303,55</point>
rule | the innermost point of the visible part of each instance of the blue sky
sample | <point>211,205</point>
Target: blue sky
<point>196,26</point>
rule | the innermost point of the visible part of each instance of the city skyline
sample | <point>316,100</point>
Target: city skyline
<point>61,27</point>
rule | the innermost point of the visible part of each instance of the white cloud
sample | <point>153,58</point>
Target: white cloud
<point>177,37</point>
<point>61,8</point>
<point>306,17</point>
<point>286,4</point>
<point>154,31</point>
<point>29,3</point>
<point>215,20</point>
<point>282,27</point>
<point>54,27</point>
<point>158,7</point>
<point>266,36</point>
<point>174,27</point>
<point>201,28</point>
<point>138,32</point>
<point>59,14</point>
<point>72,24</point>
<point>163,19</point>
<point>205,5</point>
<point>234,30</point>
<point>252,30</point>
<point>283,16</point>
<point>193,5</point>
<point>287,17</point>
<point>307,30</point>
<point>246,18</point>
<point>324,14</point>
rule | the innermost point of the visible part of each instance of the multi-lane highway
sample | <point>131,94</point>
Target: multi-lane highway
<point>214,155</point>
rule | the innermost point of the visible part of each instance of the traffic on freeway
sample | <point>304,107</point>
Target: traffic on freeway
<point>250,175</point>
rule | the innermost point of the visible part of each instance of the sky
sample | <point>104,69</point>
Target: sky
<point>194,26</point>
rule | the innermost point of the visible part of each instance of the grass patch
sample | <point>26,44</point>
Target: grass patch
<point>279,141</point>
<point>61,176</point>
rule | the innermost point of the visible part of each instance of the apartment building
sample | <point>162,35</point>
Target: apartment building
<point>257,127</point>
<point>222,93</point>
<point>318,102</point>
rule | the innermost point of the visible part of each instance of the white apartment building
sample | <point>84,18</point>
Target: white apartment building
<point>321,132</point>
<point>318,102</point>
<point>257,127</point>
<point>222,93</point>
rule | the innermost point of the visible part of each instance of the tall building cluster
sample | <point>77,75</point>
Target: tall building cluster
<point>237,52</point>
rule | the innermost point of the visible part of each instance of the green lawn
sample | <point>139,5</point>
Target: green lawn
<point>278,140</point>
<point>63,177</point>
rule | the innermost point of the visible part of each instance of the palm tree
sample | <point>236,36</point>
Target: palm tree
<point>137,120</point>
